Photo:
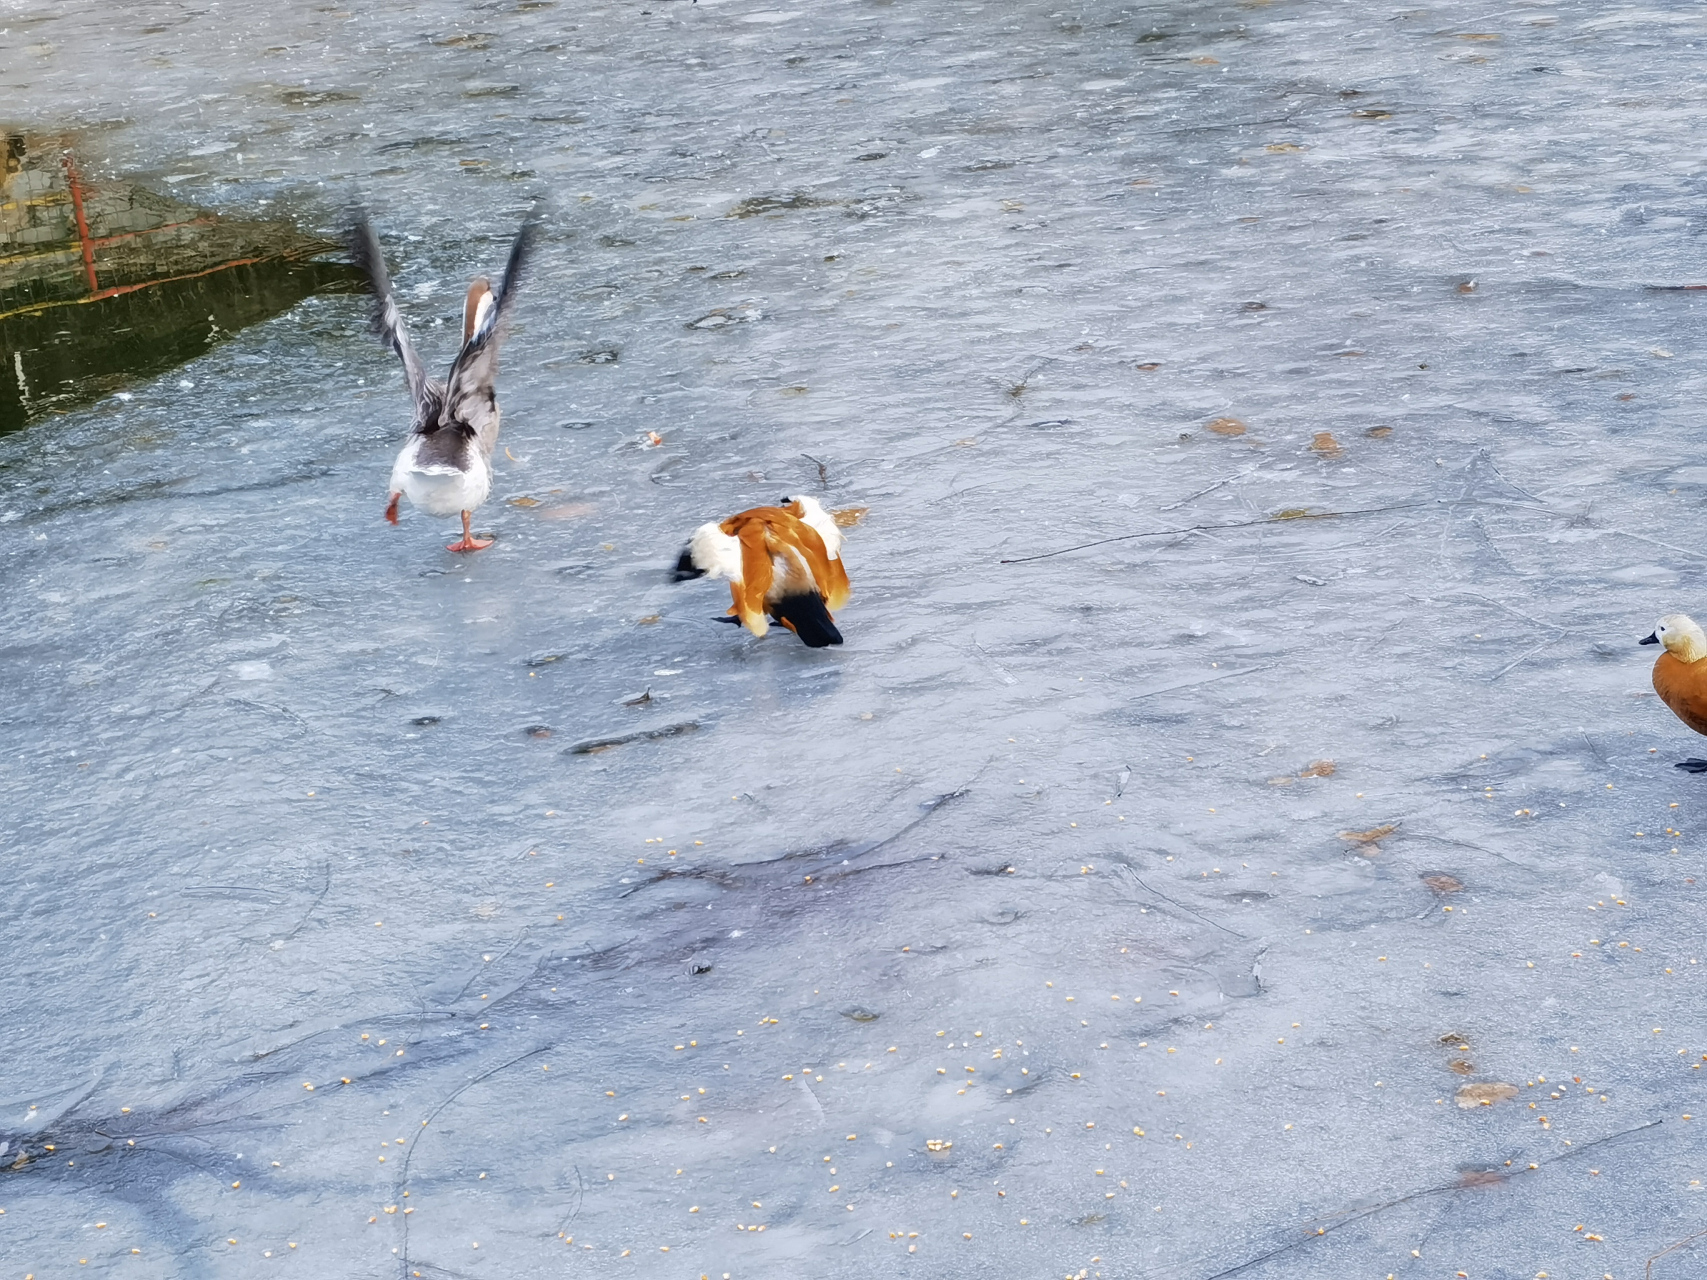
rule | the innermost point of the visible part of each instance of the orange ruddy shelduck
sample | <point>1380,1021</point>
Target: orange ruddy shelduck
<point>1680,675</point>
<point>784,561</point>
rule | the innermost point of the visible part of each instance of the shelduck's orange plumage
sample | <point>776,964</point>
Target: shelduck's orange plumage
<point>784,561</point>
<point>1680,675</point>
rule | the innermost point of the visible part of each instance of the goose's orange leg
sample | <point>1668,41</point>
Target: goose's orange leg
<point>391,508</point>
<point>469,541</point>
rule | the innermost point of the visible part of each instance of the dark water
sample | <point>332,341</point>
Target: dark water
<point>67,356</point>
<point>294,798</point>
<point>105,282</point>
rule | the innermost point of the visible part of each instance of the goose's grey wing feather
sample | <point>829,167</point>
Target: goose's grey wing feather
<point>470,391</point>
<point>387,320</point>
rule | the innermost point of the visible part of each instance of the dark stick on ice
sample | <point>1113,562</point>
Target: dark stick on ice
<point>1201,919</point>
<point>1223,674</point>
<point>498,958</point>
<point>1465,844</point>
<point>721,878</point>
<point>580,1195</point>
<point>1357,1215</point>
<point>403,1180</point>
<point>823,473</point>
<point>1206,528</point>
<point>1211,488</point>
<point>1523,657</point>
<point>930,807</point>
<point>325,888</point>
<point>1019,388</point>
<point>1655,542</point>
<point>1648,1271</point>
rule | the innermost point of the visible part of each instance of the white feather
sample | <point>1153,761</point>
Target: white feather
<point>482,310</point>
<point>823,523</point>
<point>437,489</point>
<point>715,553</point>
<point>790,574</point>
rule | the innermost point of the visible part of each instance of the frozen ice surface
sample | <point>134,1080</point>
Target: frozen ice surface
<point>291,796</point>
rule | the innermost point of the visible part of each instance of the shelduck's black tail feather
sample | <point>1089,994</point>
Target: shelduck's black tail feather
<point>809,618</point>
<point>685,567</point>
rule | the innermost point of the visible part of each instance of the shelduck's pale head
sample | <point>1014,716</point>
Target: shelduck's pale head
<point>810,510</point>
<point>1681,636</point>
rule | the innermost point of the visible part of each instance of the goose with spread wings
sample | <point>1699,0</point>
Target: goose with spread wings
<point>445,467</point>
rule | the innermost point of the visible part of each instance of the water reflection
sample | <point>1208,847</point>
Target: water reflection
<point>105,282</point>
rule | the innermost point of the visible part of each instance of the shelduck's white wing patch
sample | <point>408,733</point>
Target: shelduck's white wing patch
<point>790,574</point>
<point>823,523</point>
<point>715,553</point>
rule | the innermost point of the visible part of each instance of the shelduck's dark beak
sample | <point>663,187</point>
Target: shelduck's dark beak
<point>1650,638</point>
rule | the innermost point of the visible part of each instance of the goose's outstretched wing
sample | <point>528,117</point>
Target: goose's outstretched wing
<point>470,389</point>
<point>387,321</point>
